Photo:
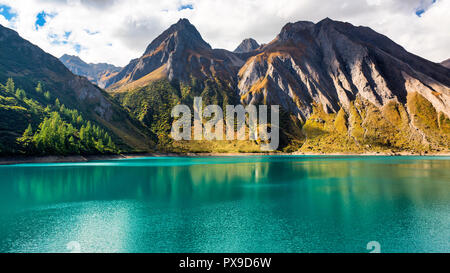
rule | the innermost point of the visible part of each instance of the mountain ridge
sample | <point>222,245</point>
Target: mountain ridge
<point>97,73</point>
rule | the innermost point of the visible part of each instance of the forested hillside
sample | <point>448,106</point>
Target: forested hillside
<point>43,126</point>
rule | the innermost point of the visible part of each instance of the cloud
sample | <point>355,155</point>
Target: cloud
<point>117,31</point>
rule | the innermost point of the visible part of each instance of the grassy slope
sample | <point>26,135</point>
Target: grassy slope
<point>366,128</point>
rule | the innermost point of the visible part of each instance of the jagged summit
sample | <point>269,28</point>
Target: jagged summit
<point>179,53</point>
<point>247,45</point>
<point>183,33</point>
<point>67,57</point>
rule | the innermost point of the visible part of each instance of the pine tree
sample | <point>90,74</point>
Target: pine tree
<point>28,132</point>
<point>100,146</point>
<point>10,86</point>
<point>39,88</point>
<point>80,120</point>
<point>57,103</point>
<point>20,93</point>
<point>26,141</point>
<point>110,143</point>
<point>47,95</point>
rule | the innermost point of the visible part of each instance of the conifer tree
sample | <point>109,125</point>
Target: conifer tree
<point>39,88</point>
<point>10,86</point>
<point>28,132</point>
<point>20,93</point>
<point>47,95</point>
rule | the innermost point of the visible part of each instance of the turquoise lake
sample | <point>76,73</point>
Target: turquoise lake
<point>228,204</point>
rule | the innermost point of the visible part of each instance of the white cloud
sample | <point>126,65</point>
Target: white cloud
<point>116,31</point>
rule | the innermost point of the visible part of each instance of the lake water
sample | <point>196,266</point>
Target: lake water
<point>228,204</point>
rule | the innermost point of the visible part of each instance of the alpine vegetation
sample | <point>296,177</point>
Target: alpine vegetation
<point>209,123</point>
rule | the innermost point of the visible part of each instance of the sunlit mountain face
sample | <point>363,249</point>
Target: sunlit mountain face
<point>341,87</point>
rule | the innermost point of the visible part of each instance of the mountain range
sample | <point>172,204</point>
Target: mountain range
<point>96,73</point>
<point>341,88</point>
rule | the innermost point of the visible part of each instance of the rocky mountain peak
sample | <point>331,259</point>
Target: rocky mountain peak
<point>70,57</point>
<point>247,45</point>
<point>291,30</point>
<point>179,36</point>
<point>179,53</point>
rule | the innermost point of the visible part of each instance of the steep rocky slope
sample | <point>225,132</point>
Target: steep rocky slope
<point>96,73</point>
<point>330,63</point>
<point>361,81</point>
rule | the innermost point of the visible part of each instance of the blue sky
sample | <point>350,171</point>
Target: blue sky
<point>188,6</point>
<point>118,31</point>
<point>42,17</point>
<point>421,9</point>
<point>6,12</point>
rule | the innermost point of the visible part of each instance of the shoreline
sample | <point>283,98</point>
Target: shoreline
<point>14,160</point>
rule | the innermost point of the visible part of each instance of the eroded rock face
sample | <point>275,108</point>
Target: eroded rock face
<point>91,95</point>
<point>330,63</point>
